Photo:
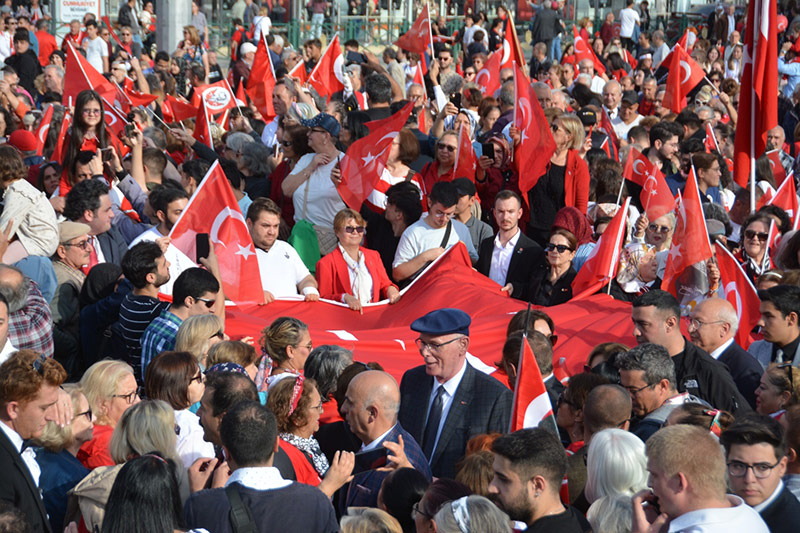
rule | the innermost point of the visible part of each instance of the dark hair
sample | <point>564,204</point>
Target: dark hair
<point>193,282</point>
<point>378,88</point>
<point>408,146</point>
<point>260,205</point>
<point>347,376</point>
<point>652,359</point>
<point>540,346</point>
<point>785,298</point>
<point>195,169</point>
<point>168,376</point>
<point>324,365</point>
<point>79,128</point>
<point>400,490</point>
<point>661,300</point>
<point>139,261</point>
<point>249,432</point>
<point>444,193</point>
<point>84,196</point>
<point>90,23</point>
<point>232,172</point>
<point>299,136</point>
<point>21,35</point>
<point>145,493</point>
<point>755,428</point>
<point>697,414</point>
<point>517,321</point>
<point>161,196</point>
<point>229,389</point>
<point>12,167</point>
<point>440,492</point>
<point>154,160</point>
<point>279,402</point>
<point>660,132</point>
<point>534,452</point>
<point>197,70</point>
<point>506,194</point>
<point>161,55</point>
<point>784,224</point>
<point>688,118</point>
<point>788,256</point>
<point>580,385</point>
<point>405,197</point>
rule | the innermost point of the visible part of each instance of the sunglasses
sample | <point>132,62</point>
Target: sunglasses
<point>658,229</point>
<point>209,303</point>
<point>752,234</point>
<point>220,335</point>
<point>560,247</point>
<point>87,414</point>
<point>507,79</point>
<point>200,378</point>
<point>447,147</point>
<point>355,229</point>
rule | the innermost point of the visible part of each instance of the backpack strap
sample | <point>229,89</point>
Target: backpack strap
<point>241,517</point>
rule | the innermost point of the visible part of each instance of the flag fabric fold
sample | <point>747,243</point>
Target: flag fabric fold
<point>466,162</point>
<point>512,52</point>
<point>418,37</point>
<point>656,197</point>
<point>531,402</point>
<point>43,129</point>
<point>684,75</point>
<point>584,51</point>
<point>488,78</point>
<point>736,287</point>
<point>262,81</point>
<point>326,77</point>
<point>175,110</point>
<point>786,198</point>
<point>80,75</point>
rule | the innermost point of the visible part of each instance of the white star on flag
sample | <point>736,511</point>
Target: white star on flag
<point>244,251</point>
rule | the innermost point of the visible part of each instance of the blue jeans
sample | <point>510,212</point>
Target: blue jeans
<point>554,54</point>
<point>316,24</point>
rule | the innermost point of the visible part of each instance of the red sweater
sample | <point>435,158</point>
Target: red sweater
<point>95,452</point>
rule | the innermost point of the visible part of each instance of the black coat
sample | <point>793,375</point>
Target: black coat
<point>480,405</point>
<point>113,245</point>
<point>782,515</point>
<point>18,487</point>
<point>561,292</point>
<point>701,375</point>
<point>526,256</point>
<point>745,370</point>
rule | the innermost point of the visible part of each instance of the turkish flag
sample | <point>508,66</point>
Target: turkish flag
<point>656,198</point>
<point>628,58</point>
<point>213,209</point>
<point>711,140</point>
<point>418,37</point>
<point>80,75</point>
<point>684,75</point>
<point>601,265</point>
<point>202,127</point>
<point>137,98</point>
<point>363,163</point>
<point>512,53</point>
<point>536,146</point>
<point>690,242</point>
<point>605,125</point>
<point>778,172</point>
<point>326,77</point>
<point>531,402</point>
<point>419,80</point>
<point>261,82</point>
<point>786,198</point>
<point>299,72</point>
<point>175,110</point>
<point>43,129</point>
<point>773,238</point>
<point>217,97</point>
<point>684,40</point>
<point>466,162</point>
<point>758,99</point>
<point>114,36</point>
<point>488,78</point>
<point>58,151</point>
<point>115,120</point>
<point>737,288</point>
<point>584,51</point>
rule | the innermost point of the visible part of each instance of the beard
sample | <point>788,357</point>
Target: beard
<point>518,509</point>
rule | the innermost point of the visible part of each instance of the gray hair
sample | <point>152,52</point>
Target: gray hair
<point>611,514</point>
<point>15,295</point>
<point>471,513</point>
<point>254,158</point>
<point>354,69</point>
<point>652,359</point>
<point>507,94</point>
<point>157,136</point>
<point>451,82</point>
<point>728,315</point>
<point>704,108</point>
<point>59,70</point>
<point>325,364</point>
<point>237,139</point>
<point>658,34</point>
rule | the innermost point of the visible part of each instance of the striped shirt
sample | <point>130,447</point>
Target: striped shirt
<point>135,314</point>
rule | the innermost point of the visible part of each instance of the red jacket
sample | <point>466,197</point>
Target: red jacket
<point>576,182</point>
<point>303,468</point>
<point>334,280</point>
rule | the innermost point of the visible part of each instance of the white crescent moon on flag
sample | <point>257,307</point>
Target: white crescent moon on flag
<point>224,214</point>
<point>527,114</point>
<point>337,68</point>
<point>582,48</point>
<point>481,73</point>
<point>652,188</point>
<point>685,66</point>
<point>506,52</point>
<point>43,132</point>
<point>730,288</point>
<point>636,169</point>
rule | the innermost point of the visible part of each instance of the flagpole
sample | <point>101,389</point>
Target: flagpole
<point>153,114</point>
<point>756,23</point>
<point>519,363</point>
<point>234,96</point>
<point>430,31</point>
<point>122,91</point>
<point>621,186</point>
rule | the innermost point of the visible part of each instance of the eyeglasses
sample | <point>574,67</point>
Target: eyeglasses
<point>37,364</point>
<point>697,324</point>
<point>309,346</point>
<point>415,510</point>
<point>87,414</point>
<point>318,407</point>
<point>752,234</point>
<point>91,111</point>
<point>355,229</point>
<point>791,377</point>
<point>634,392</point>
<point>560,247</point>
<point>504,80</point>
<point>433,347</point>
<point>85,244</point>
<point>199,378</point>
<point>286,144</point>
<point>220,335</point>
<point>760,470</point>
<point>447,147</point>
<point>319,130</point>
<point>562,400</point>
<point>209,304</point>
<point>655,228</point>
<point>130,397</point>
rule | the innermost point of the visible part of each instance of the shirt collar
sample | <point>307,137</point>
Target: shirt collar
<point>258,478</point>
<point>374,444</point>
<point>512,242</point>
<point>451,385</point>
<point>12,435</point>
<point>721,348</point>
<point>766,503</point>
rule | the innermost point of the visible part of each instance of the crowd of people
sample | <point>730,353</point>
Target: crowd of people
<point>125,405</point>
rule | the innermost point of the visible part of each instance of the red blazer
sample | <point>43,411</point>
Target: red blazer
<point>334,280</point>
<point>576,182</point>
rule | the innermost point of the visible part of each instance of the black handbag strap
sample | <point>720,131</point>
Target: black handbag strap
<point>447,234</point>
<point>241,516</point>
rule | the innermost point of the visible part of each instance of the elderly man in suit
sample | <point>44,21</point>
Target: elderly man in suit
<point>780,324</point>
<point>509,257</point>
<point>29,387</point>
<point>446,401</point>
<point>370,409</point>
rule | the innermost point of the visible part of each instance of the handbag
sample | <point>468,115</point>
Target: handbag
<point>304,239</point>
<point>406,282</point>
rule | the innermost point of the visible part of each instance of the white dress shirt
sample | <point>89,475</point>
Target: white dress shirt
<point>191,445</point>
<point>258,478</point>
<point>450,388</point>
<point>28,456</point>
<point>374,444</point>
<point>721,348</point>
<point>7,350</point>
<point>501,258</point>
<point>740,517</point>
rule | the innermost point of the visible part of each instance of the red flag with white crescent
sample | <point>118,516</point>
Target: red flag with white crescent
<point>466,162</point>
<point>778,172</point>
<point>213,209</point>
<point>684,75</point>
<point>786,198</point>
<point>488,78</point>
<point>531,402</point>
<point>656,197</point>
<point>326,77</point>
<point>80,75</point>
<point>584,51</point>
<point>43,129</point>
<point>418,37</point>
<point>512,52</point>
<point>738,289</point>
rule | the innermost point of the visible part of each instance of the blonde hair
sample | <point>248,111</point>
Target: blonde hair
<point>692,451</point>
<point>237,352</point>
<point>344,215</point>
<point>370,520</point>
<point>54,438</point>
<point>195,333</point>
<point>778,377</point>
<point>101,382</point>
<point>284,331</point>
<point>574,127</point>
<point>148,426</point>
<point>194,35</point>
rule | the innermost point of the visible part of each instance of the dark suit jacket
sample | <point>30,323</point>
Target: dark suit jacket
<point>526,256</point>
<point>481,405</point>
<point>560,293</point>
<point>362,491</point>
<point>113,245</point>
<point>745,370</point>
<point>18,487</point>
<point>782,515</point>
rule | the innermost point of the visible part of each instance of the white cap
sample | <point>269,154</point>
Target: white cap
<point>246,48</point>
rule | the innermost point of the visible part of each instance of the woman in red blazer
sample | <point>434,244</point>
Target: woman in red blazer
<point>351,273</point>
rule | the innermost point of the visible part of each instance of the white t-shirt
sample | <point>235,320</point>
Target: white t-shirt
<point>628,18</point>
<point>262,26</point>
<point>96,50</point>
<point>323,198</point>
<point>281,269</point>
<point>419,237</point>
<point>622,129</point>
<point>178,261</point>
<point>191,445</point>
